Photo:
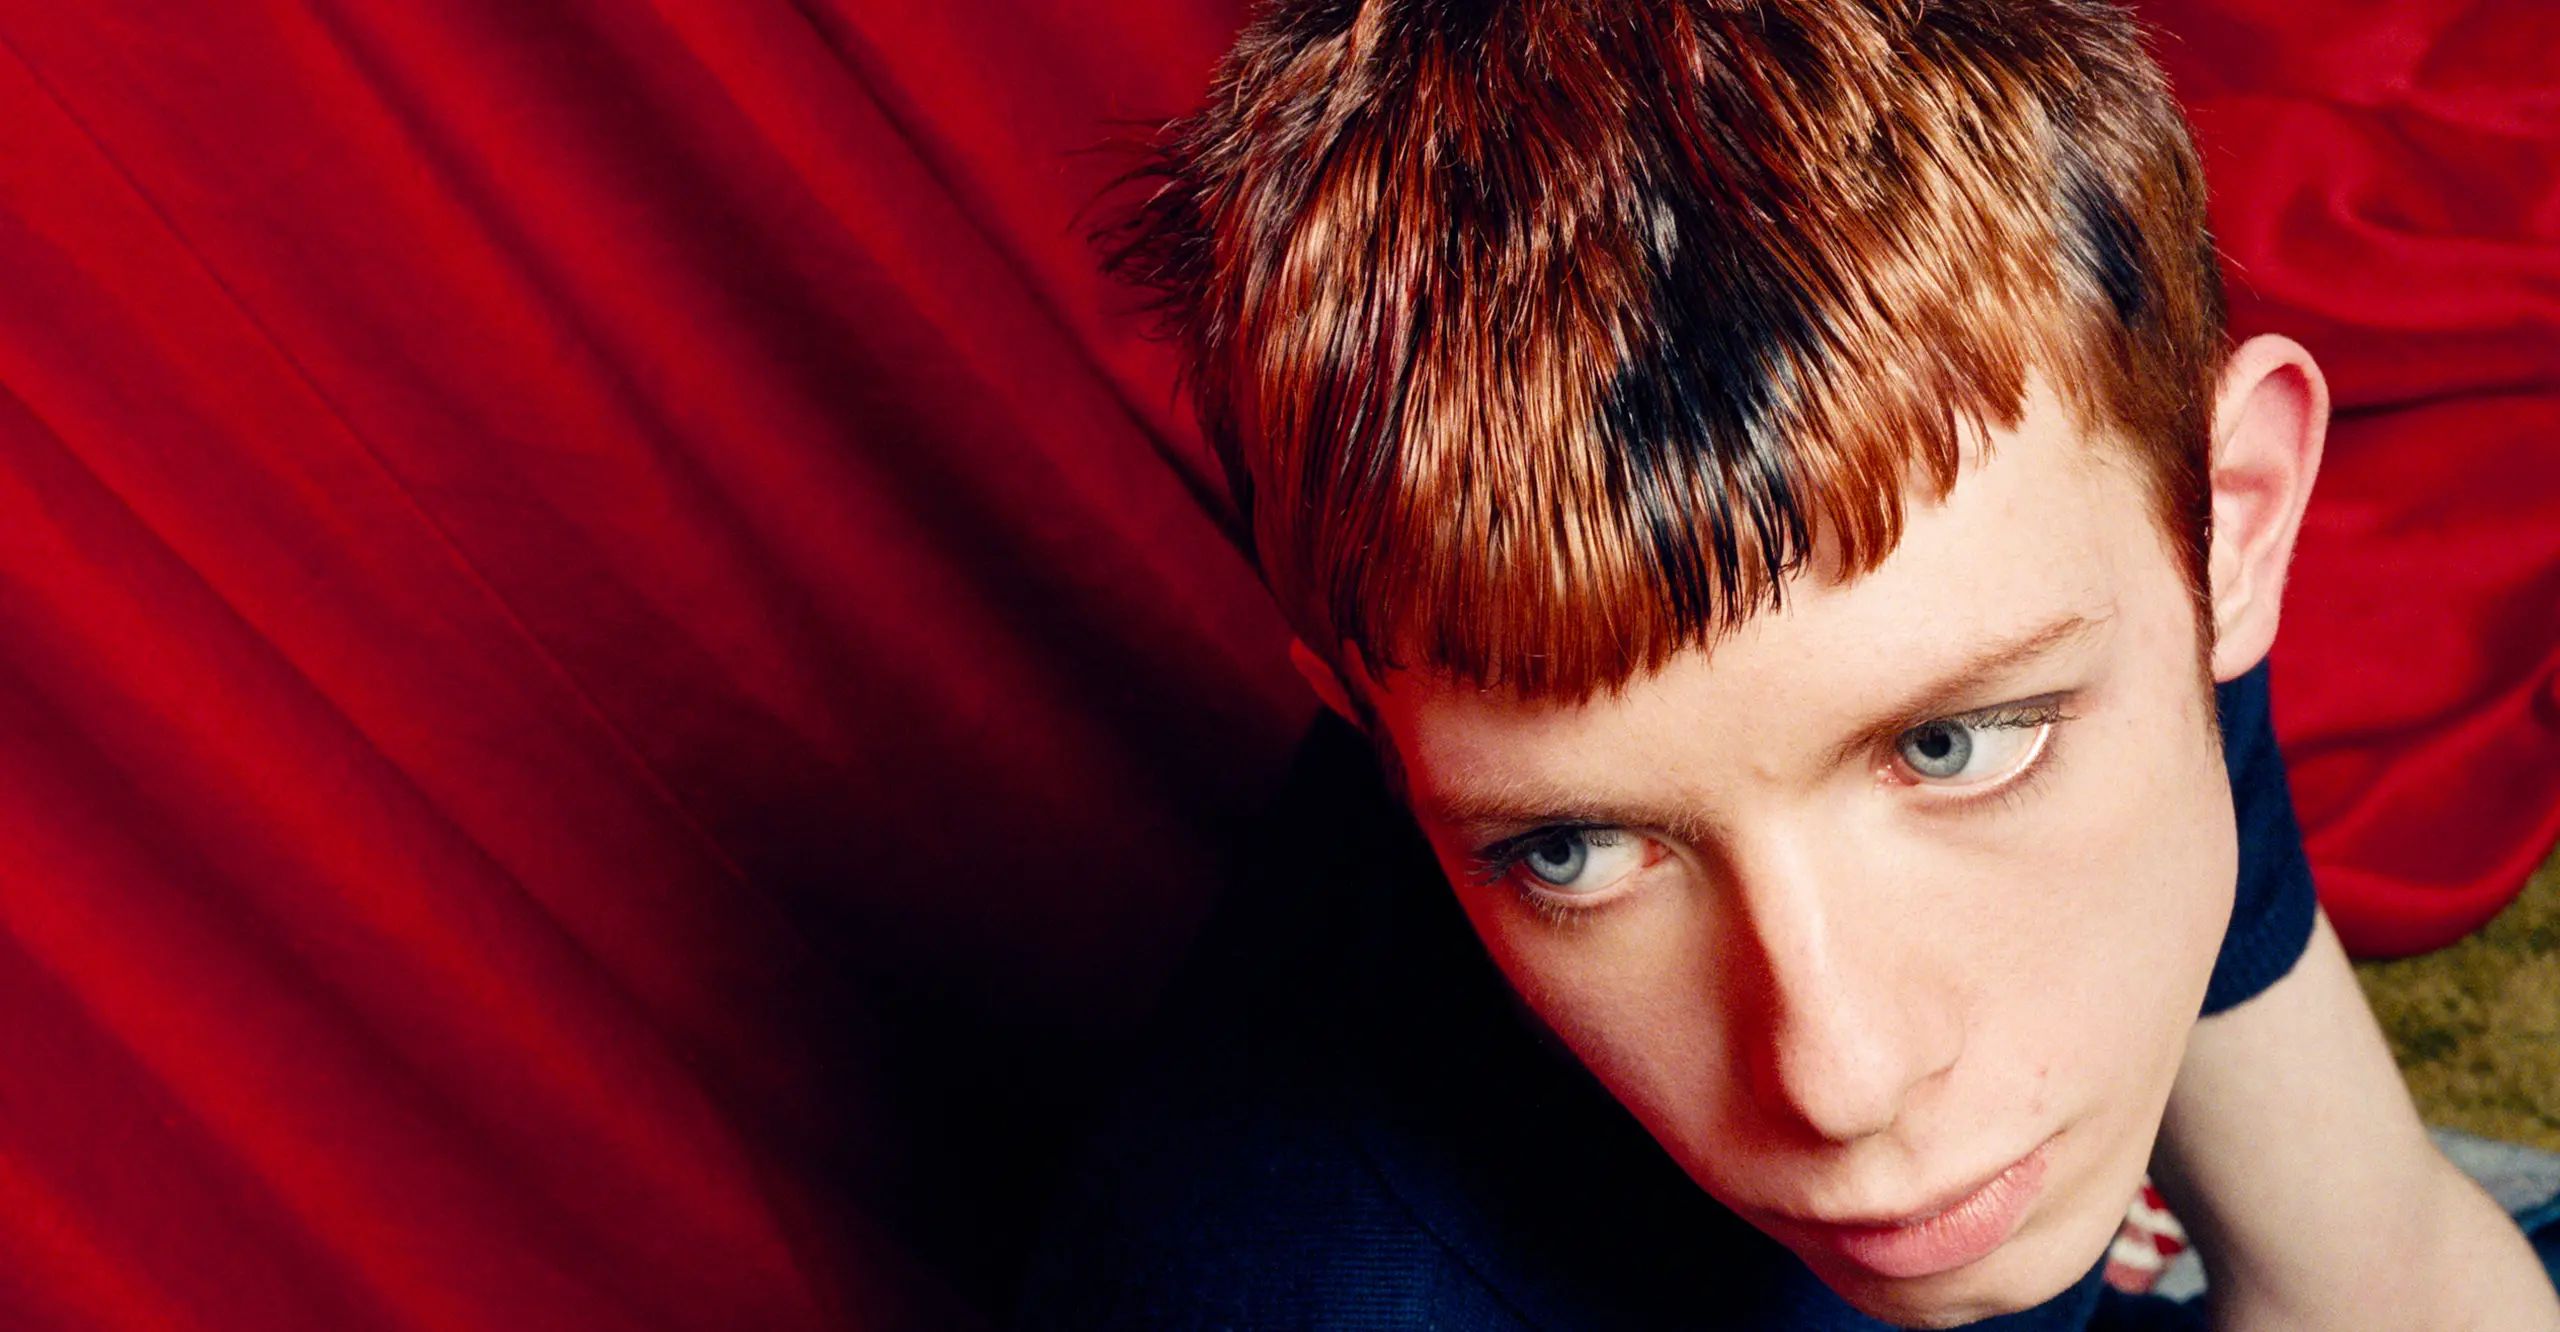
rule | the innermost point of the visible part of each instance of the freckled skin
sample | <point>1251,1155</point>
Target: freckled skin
<point>1836,992</point>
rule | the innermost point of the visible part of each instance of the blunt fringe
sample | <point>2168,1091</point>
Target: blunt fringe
<point>1545,338</point>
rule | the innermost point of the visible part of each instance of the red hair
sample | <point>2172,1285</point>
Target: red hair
<point>1545,338</point>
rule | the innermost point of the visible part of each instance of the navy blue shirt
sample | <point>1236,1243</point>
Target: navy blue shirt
<point>1349,1124</point>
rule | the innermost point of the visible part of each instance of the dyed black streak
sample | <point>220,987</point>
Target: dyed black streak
<point>1706,398</point>
<point>2103,241</point>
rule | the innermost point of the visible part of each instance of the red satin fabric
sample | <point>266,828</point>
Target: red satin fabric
<point>2387,190</point>
<point>614,674</point>
<point>618,671</point>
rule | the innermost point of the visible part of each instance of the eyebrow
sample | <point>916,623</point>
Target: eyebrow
<point>1477,809</point>
<point>1967,680</point>
<point>1956,686</point>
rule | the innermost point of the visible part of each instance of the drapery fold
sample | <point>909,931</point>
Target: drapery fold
<point>2386,188</point>
<point>620,671</point>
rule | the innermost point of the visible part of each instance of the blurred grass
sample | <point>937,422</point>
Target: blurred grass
<point>2476,1027</point>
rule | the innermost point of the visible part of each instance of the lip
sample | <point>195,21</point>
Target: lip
<point>1962,1231</point>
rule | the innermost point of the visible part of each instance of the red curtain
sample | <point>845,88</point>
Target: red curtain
<point>619,672</point>
<point>2386,180</point>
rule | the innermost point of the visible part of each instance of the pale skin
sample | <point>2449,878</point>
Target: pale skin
<point>1920,878</point>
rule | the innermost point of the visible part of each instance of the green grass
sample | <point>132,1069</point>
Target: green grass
<point>2476,1027</point>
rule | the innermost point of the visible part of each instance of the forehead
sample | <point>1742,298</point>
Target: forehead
<point>2044,526</point>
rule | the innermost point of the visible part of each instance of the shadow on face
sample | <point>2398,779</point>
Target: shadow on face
<point>1888,913</point>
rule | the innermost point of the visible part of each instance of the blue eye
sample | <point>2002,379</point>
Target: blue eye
<point>1938,750</point>
<point>1557,864</point>
<point>1557,859</point>
<point>1977,748</point>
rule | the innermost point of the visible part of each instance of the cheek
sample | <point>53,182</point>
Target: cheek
<point>1634,992</point>
<point>2132,895</point>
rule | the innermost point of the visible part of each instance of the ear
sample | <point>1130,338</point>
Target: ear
<point>2271,414</point>
<point>1322,679</point>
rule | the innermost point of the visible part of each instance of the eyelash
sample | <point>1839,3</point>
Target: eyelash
<point>1500,863</point>
<point>2014,792</point>
<point>1499,860</point>
<point>2027,714</point>
<point>1557,911</point>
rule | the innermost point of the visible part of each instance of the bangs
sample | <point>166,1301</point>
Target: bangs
<point>1543,347</point>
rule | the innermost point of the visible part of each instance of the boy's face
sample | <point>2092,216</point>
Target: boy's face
<point>1897,904</point>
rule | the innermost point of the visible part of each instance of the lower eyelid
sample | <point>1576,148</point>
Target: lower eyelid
<point>1554,901</point>
<point>2036,756</point>
<point>2039,754</point>
<point>1569,906</point>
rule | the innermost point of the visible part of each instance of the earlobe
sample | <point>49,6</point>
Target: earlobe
<point>2271,417</point>
<point>1322,679</point>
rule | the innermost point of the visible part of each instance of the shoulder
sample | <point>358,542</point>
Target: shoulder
<point>2273,904</point>
<point>1226,1194</point>
<point>1344,1124</point>
<point>1239,1182</point>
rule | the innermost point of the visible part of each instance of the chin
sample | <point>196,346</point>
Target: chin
<point>2045,1258</point>
<point>1956,1298</point>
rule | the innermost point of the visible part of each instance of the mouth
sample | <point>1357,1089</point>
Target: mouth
<point>1960,1231</point>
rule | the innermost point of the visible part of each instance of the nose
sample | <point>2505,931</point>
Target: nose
<point>1846,1013</point>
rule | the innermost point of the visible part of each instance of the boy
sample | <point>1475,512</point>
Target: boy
<point>1769,483</point>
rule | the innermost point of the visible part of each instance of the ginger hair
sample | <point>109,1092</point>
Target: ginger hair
<point>1545,338</point>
